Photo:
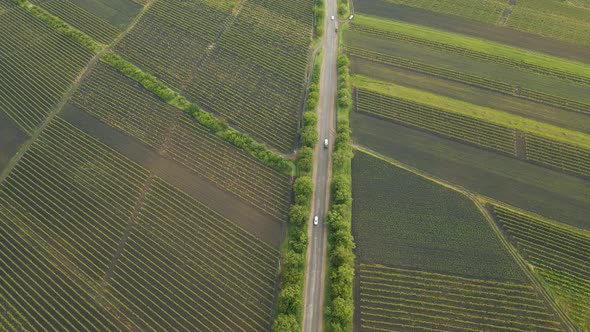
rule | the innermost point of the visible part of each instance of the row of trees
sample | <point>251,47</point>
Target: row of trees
<point>340,306</point>
<point>61,26</point>
<point>220,127</point>
<point>290,298</point>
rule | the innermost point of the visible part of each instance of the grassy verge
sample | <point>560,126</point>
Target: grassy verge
<point>474,111</point>
<point>319,12</point>
<point>339,303</point>
<point>61,26</point>
<point>524,57</point>
<point>222,129</point>
<point>290,298</point>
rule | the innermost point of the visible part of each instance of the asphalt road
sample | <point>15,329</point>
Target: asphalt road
<point>313,314</point>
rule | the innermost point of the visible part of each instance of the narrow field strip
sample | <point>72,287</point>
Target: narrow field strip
<point>393,298</point>
<point>438,120</point>
<point>470,79</point>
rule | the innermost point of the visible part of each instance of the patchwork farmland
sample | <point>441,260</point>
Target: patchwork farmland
<point>124,210</point>
<point>489,98</point>
<point>159,165</point>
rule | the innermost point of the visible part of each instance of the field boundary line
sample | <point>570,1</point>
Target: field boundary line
<point>147,185</point>
<point>477,200</point>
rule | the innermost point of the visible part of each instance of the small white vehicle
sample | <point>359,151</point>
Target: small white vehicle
<point>332,17</point>
<point>315,220</point>
<point>326,143</point>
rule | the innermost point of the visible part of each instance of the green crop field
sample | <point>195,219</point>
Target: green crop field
<point>428,259</point>
<point>90,239</point>
<point>122,103</point>
<point>38,66</point>
<point>491,98</point>
<point>246,60</point>
<point>394,299</point>
<point>559,255</point>
<point>434,228</point>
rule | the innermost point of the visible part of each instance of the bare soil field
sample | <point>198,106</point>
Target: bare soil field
<point>11,138</point>
<point>474,28</point>
<point>264,226</point>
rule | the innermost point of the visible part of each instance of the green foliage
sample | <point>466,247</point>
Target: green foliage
<point>319,13</point>
<point>303,188</point>
<point>305,161</point>
<point>61,26</point>
<point>220,127</point>
<point>286,323</point>
<point>340,306</point>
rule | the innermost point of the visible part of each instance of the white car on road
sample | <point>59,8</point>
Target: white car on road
<point>315,220</point>
<point>325,143</point>
<point>332,17</point>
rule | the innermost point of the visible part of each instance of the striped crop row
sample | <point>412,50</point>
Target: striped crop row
<point>396,299</point>
<point>437,120</point>
<point>559,256</point>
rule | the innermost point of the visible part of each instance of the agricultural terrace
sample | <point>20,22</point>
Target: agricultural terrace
<point>435,228</point>
<point>38,66</point>
<point>554,19</point>
<point>559,256</point>
<point>245,61</point>
<point>90,239</point>
<point>394,299</point>
<point>124,104</point>
<point>102,20</point>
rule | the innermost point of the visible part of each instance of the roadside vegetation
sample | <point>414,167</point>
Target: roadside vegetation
<point>290,299</point>
<point>339,303</point>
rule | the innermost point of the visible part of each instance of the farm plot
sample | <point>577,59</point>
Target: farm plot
<point>11,138</point>
<point>559,256</point>
<point>452,43</point>
<point>471,79</point>
<point>531,187</point>
<point>123,104</point>
<point>63,209</point>
<point>83,20</point>
<point>116,14</point>
<point>38,66</point>
<point>255,75</point>
<point>397,299</point>
<point>486,10</point>
<point>437,120</point>
<point>172,37</point>
<point>435,228</point>
<point>553,19</point>
<point>217,276</point>
<point>568,157</point>
<point>476,97</point>
<point>92,241</point>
